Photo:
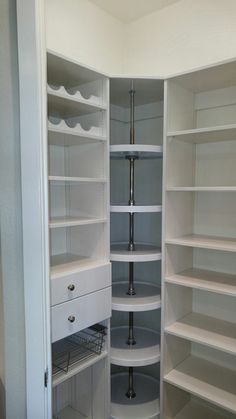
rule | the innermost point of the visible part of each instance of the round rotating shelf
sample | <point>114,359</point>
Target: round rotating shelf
<point>145,405</point>
<point>147,297</point>
<point>146,351</point>
<point>143,253</point>
<point>135,208</point>
<point>137,151</point>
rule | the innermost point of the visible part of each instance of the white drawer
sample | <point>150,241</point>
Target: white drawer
<point>83,312</point>
<point>80,283</point>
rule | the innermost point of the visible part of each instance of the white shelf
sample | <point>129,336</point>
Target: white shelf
<point>74,136</point>
<point>206,330</point>
<point>196,410</point>
<point>67,179</point>
<point>69,413</point>
<point>76,368</point>
<point>135,208</point>
<point>143,253</point>
<point>147,297</point>
<point>68,263</point>
<point>146,351</point>
<point>202,279</point>
<point>70,221</point>
<point>138,151</point>
<point>204,135</point>
<point>145,405</point>
<point>201,188</point>
<point>206,380</point>
<point>68,105</point>
<point>205,242</point>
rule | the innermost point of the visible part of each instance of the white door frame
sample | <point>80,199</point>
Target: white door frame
<point>33,131</point>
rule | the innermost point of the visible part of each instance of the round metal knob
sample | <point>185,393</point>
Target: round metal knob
<point>71,319</point>
<point>71,287</point>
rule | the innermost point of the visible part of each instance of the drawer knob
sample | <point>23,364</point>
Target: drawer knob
<point>71,287</point>
<point>71,319</point>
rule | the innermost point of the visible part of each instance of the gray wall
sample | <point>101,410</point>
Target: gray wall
<point>12,337</point>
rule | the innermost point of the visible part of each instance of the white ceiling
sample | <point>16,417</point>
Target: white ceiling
<point>129,10</point>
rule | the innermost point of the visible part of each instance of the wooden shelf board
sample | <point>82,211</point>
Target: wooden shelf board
<point>143,252</point>
<point>203,279</point>
<point>139,151</point>
<point>135,208</point>
<point>205,242</point>
<point>68,263</point>
<point>201,189</point>
<point>196,410</point>
<point>68,179</point>
<point>147,297</point>
<point>205,330</point>
<point>74,221</point>
<point>211,382</point>
<point>73,137</point>
<point>60,377</point>
<point>204,135</point>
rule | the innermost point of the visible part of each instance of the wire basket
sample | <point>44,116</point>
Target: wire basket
<point>77,348</point>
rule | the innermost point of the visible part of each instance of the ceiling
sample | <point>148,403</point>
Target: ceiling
<point>129,10</point>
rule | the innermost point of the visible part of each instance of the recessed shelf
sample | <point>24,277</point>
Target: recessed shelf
<point>145,405</point>
<point>205,242</point>
<point>147,297</point>
<point>132,209</point>
<point>206,330</point>
<point>69,179</point>
<point>66,105</point>
<point>205,135</point>
<point>67,263</point>
<point>196,410</point>
<point>206,380</point>
<point>201,188</point>
<point>203,279</point>
<point>138,151</point>
<point>146,351</point>
<point>70,221</point>
<point>143,253</point>
<point>61,134</point>
<point>69,413</point>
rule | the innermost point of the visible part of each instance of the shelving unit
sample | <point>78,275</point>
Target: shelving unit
<point>135,333</point>
<point>78,166</point>
<point>199,306</point>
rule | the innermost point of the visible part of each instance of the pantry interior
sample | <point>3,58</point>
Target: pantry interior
<point>135,171</point>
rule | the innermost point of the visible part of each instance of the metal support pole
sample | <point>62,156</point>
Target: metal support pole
<point>131,340</point>
<point>131,393</point>
<point>131,290</point>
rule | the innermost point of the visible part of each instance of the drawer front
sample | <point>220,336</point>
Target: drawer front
<point>80,283</point>
<point>72,316</point>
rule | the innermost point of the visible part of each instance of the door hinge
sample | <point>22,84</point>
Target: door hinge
<point>46,378</point>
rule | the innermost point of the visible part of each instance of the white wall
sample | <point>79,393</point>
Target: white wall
<point>183,36</point>
<point>12,337</point>
<point>81,30</point>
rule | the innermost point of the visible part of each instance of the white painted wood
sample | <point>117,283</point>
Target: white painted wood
<point>67,179</point>
<point>87,310</point>
<point>132,209</point>
<point>70,104</point>
<point>206,330</point>
<point>143,253</point>
<point>147,297</point>
<point>146,351</point>
<point>201,188</point>
<point>205,242</point>
<point>207,380</point>
<point>58,222</point>
<point>144,406</point>
<point>69,413</point>
<point>83,281</point>
<point>203,279</point>
<point>62,134</point>
<point>67,263</point>
<point>205,135</point>
<point>195,410</point>
<point>140,151</point>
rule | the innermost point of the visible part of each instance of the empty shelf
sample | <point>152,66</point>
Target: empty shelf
<point>143,253</point>
<point>74,221</point>
<point>67,263</point>
<point>201,188</point>
<point>196,410</point>
<point>205,280</point>
<point>69,413</point>
<point>205,135</point>
<point>137,151</point>
<point>146,351</point>
<point>145,405</point>
<point>206,330</point>
<point>147,297</point>
<point>136,208</point>
<point>206,380</point>
<point>205,242</point>
<point>69,179</point>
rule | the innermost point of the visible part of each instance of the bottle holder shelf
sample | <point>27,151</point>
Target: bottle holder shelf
<point>64,126</point>
<point>74,93</point>
<point>77,348</point>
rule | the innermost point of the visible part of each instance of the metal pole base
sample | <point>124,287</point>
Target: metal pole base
<point>131,393</point>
